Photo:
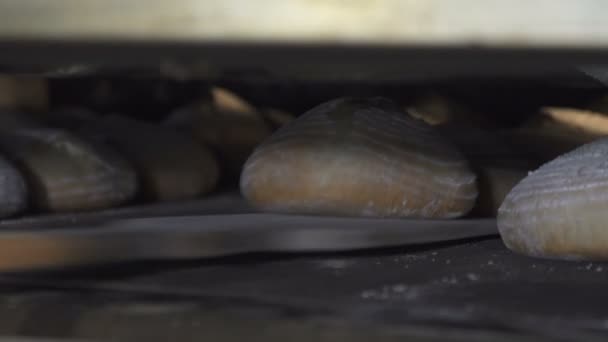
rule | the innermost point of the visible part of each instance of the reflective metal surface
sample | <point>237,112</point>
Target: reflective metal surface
<point>37,246</point>
<point>513,23</point>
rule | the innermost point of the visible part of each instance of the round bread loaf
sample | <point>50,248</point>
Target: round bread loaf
<point>229,125</point>
<point>66,173</point>
<point>557,130</point>
<point>170,165</point>
<point>359,157</point>
<point>231,135</point>
<point>559,210</point>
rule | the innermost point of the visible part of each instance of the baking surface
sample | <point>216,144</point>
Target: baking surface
<point>53,243</point>
<point>448,290</point>
<point>220,203</point>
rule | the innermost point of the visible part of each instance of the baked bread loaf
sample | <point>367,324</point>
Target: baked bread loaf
<point>359,157</point>
<point>170,165</point>
<point>67,173</point>
<point>229,126</point>
<point>559,210</point>
<point>557,130</point>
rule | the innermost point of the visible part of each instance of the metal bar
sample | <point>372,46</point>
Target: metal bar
<point>506,23</point>
<point>190,237</point>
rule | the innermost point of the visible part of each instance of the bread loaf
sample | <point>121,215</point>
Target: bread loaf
<point>67,173</point>
<point>170,165</point>
<point>559,210</point>
<point>359,157</point>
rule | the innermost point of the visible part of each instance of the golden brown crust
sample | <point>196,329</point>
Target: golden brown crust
<point>360,157</point>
